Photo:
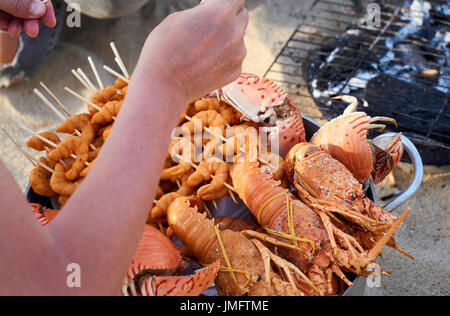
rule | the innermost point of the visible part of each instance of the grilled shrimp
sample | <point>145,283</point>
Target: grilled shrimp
<point>180,148</point>
<point>40,179</point>
<point>227,112</point>
<point>101,97</point>
<point>81,122</point>
<point>209,118</point>
<point>60,184</point>
<point>162,205</point>
<point>39,145</point>
<point>216,188</point>
<point>108,112</point>
<point>72,145</point>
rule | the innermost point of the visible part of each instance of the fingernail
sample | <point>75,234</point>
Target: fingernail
<point>37,8</point>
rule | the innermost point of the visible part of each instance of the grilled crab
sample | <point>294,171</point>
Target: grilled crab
<point>345,138</point>
<point>262,101</point>
<point>154,265</point>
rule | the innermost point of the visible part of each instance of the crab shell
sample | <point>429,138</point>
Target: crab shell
<point>181,285</point>
<point>257,95</point>
<point>387,153</point>
<point>155,254</point>
<point>43,214</point>
<point>156,259</point>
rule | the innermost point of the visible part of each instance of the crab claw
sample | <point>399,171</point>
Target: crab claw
<point>387,153</point>
<point>43,214</point>
<point>263,101</point>
<point>156,255</point>
<point>181,285</point>
<point>345,138</point>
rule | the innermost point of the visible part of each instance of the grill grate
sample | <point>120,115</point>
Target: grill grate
<point>334,52</point>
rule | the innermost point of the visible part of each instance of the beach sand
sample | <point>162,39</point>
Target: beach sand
<point>424,234</point>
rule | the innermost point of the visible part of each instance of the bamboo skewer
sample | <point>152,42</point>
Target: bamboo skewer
<point>80,97</point>
<point>83,99</point>
<point>119,60</point>
<point>115,73</point>
<point>78,76</point>
<point>86,78</point>
<point>45,140</point>
<point>29,157</point>
<point>60,104</point>
<point>97,76</point>
<point>55,110</point>
<point>49,104</point>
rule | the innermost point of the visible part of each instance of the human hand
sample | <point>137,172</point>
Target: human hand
<point>18,15</point>
<point>198,50</point>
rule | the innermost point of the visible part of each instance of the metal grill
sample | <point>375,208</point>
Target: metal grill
<point>400,69</point>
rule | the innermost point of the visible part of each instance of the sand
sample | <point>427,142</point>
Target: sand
<point>424,234</point>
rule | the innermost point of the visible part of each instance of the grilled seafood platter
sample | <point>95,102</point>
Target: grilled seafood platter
<point>312,225</point>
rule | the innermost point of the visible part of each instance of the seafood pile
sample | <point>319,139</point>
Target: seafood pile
<point>312,224</point>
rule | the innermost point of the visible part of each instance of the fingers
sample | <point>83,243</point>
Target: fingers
<point>15,27</point>
<point>49,18</point>
<point>24,9</point>
<point>31,27</point>
<point>5,20</point>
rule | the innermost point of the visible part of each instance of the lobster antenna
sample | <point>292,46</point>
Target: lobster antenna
<point>374,252</point>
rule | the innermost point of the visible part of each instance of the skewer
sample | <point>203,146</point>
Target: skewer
<point>45,140</point>
<point>241,149</point>
<point>29,157</point>
<point>83,99</point>
<point>115,73</point>
<point>119,60</point>
<point>215,204</point>
<point>86,78</point>
<point>49,104</point>
<point>55,110</point>
<point>60,104</point>
<point>97,76</point>
<point>78,76</point>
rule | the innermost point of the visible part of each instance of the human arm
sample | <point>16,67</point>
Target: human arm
<point>190,54</point>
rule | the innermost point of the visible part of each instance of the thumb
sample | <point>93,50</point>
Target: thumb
<point>24,9</point>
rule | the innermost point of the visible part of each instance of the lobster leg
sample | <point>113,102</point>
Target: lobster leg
<point>285,265</point>
<point>341,274</point>
<point>269,239</point>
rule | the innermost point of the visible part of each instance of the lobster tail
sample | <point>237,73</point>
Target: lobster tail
<point>191,226</point>
<point>256,189</point>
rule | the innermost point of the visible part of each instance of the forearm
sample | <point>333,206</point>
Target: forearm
<point>191,54</point>
<point>107,213</point>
